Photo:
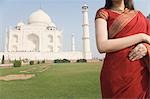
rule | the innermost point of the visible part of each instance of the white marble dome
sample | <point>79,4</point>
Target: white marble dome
<point>39,16</point>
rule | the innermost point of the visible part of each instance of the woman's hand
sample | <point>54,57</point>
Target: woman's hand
<point>138,52</point>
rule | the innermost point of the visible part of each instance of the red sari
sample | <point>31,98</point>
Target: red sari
<point>120,77</point>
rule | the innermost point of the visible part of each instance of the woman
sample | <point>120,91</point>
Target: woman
<point>123,34</point>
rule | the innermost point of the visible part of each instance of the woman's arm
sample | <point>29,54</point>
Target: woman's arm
<point>106,45</point>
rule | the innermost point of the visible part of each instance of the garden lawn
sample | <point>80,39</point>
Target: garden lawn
<point>59,81</point>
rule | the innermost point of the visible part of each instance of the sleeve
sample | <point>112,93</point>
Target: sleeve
<point>101,13</point>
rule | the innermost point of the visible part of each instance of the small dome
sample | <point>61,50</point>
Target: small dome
<point>52,24</point>
<point>85,5</point>
<point>20,24</point>
<point>39,16</point>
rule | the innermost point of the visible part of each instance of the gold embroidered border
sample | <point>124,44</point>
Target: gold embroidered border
<point>102,14</point>
<point>120,22</point>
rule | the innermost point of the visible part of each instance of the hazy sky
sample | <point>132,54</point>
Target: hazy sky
<point>66,14</point>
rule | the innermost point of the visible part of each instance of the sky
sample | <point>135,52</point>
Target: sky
<point>66,14</point>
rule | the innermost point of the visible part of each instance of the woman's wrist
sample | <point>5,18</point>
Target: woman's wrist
<point>143,37</point>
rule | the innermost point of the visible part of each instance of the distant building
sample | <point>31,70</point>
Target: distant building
<point>39,35</point>
<point>40,39</point>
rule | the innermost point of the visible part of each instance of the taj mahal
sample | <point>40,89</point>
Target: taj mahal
<point>40,39</point>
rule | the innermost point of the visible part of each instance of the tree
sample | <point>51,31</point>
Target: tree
<point>3,59</point>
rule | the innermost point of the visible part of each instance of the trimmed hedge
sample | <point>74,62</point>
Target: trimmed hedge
<point>38,62</point>
<point>17,63</point>
<point>43,61</point>
<point>61,61</point>
<point>31,62</point>
<point>81,61</point>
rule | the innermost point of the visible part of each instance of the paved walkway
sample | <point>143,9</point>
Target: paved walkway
<point>6,65</point>
<point>17,77</point>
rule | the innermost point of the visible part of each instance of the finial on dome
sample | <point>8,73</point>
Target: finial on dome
<point>85,6</point>
<point>85,2</point>
<point>40,5</point>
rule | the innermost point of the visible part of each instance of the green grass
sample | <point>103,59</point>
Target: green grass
<point>60,81</point>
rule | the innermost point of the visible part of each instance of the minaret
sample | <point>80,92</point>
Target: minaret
<point>73,42</point>
<point>86,39</point>
<point>6,40</point>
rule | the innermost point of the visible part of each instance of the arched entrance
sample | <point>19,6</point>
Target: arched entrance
<point>34,42</point>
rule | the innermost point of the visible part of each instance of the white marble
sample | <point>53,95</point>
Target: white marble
<point>40,39</point>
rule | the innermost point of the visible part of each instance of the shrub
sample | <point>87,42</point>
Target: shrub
<point>56,61</point>
<point>43,61</point>
<point>81,61</point>
<point>61,61</point>
<point>31,63</point>
<point>17,63</point>
<point>66,61</point>
<point>3,59</point>
<point>38,62</point>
